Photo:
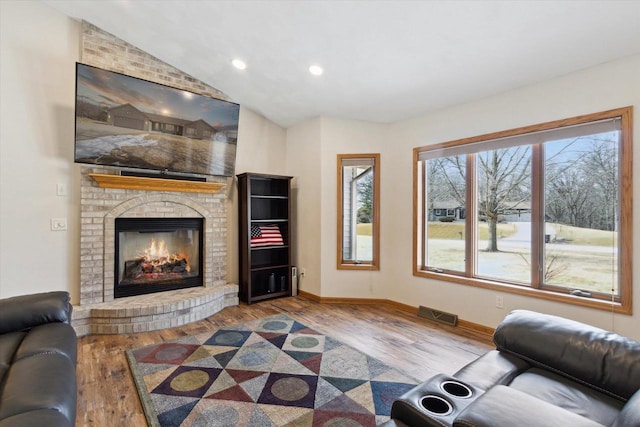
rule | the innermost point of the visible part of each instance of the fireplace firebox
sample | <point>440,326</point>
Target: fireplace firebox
<point>157,254</point>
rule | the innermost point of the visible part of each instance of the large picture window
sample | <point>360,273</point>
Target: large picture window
<point>358,207</point>
<point>543,210</point>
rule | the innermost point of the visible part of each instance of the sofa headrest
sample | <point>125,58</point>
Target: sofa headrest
<point>604,360</point>
<point>28,311</point>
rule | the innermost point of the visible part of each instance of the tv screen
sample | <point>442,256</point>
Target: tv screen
<point>128,122</point>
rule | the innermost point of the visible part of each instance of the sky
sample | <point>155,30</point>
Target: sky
<point>106,87</point>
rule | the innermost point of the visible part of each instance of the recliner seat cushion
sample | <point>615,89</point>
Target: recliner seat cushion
<point>39,418</point>
<point>630,414</point>
<point>569,395</point>
<point>504,406</point>
<point>42,381</point>
<point>50,338</point>
<point>9,344</point>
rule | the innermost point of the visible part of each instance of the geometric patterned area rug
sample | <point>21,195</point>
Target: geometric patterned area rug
<point>273,371</point>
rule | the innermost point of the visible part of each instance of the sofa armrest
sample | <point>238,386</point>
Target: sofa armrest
<point>492,368</point>
<point>27,311</point>
<point>503,406</point>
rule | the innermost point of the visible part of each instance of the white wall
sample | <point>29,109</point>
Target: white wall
<point>262,149</point>
<point>303,154</point>
<point>608,86</point>
<point>39,48</point>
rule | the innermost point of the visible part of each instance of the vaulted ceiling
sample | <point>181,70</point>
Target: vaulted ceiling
<point>383,61</point>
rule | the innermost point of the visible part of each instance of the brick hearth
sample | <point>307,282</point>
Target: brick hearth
<point>153,311</point>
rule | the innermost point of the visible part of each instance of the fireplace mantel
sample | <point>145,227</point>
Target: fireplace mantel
<point>155,184</point>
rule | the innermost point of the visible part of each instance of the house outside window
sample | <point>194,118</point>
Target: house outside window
<point>358,211</point>
<point>547,210</point>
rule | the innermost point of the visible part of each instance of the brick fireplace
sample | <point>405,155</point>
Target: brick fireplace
<point>99,311</point>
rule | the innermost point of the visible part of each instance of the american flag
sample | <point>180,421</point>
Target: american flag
<point>265,235</point>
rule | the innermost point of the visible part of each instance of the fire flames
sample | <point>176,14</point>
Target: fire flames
<point>156,252</point>
<point>156,263</point>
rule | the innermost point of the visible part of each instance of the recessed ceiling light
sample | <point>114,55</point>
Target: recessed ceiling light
<point>239,64</point>
<point>316,70</point>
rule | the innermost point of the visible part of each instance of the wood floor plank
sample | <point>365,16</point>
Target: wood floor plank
<point>107,395</point>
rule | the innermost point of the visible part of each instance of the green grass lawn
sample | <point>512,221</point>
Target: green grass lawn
<point>455,230</point>
<point>364,229</point>
<point>585,236</point>
<point>563,233</point>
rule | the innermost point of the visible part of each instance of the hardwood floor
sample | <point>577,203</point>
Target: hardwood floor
<point>107,395</point>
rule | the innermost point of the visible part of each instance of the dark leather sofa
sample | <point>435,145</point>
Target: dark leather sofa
<point>38,351</point>
<point>546,371</point>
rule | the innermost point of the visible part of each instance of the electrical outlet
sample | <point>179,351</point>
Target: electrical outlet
<point>58,224</point>
<point>499,301</point>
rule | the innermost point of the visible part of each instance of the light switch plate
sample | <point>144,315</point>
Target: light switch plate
<point>58,224</point>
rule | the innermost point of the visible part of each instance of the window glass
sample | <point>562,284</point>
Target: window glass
<point>581,226</point>
<point>503,240</point>
<point>358,210</point>
<point>445,206</point>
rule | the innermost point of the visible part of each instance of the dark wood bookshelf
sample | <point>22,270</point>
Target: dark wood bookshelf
<point>265,271</point>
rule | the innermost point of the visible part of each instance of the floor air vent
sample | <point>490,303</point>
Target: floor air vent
<point>438,316</point>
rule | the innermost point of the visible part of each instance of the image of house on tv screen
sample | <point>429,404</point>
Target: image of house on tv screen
<point>133,123</point>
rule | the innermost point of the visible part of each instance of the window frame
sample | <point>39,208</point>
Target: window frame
<point>625,236</point>
<point>374,264</point>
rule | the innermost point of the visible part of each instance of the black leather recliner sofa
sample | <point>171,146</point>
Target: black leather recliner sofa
<point>38,354</point>
<point>546,371</point>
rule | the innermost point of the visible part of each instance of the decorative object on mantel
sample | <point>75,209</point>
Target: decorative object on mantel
<point>272,371</point>
<point>155,184</point>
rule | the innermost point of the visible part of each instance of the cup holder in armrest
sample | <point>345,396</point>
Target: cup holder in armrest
<point>435,402</point>
<point>457,389</point>
<point>436,405</point>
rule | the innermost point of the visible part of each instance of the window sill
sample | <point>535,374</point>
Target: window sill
<point>361,266</point>
<point>622,308</point>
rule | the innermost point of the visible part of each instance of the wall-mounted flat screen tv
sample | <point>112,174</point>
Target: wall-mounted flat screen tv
<point>128,122</point>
